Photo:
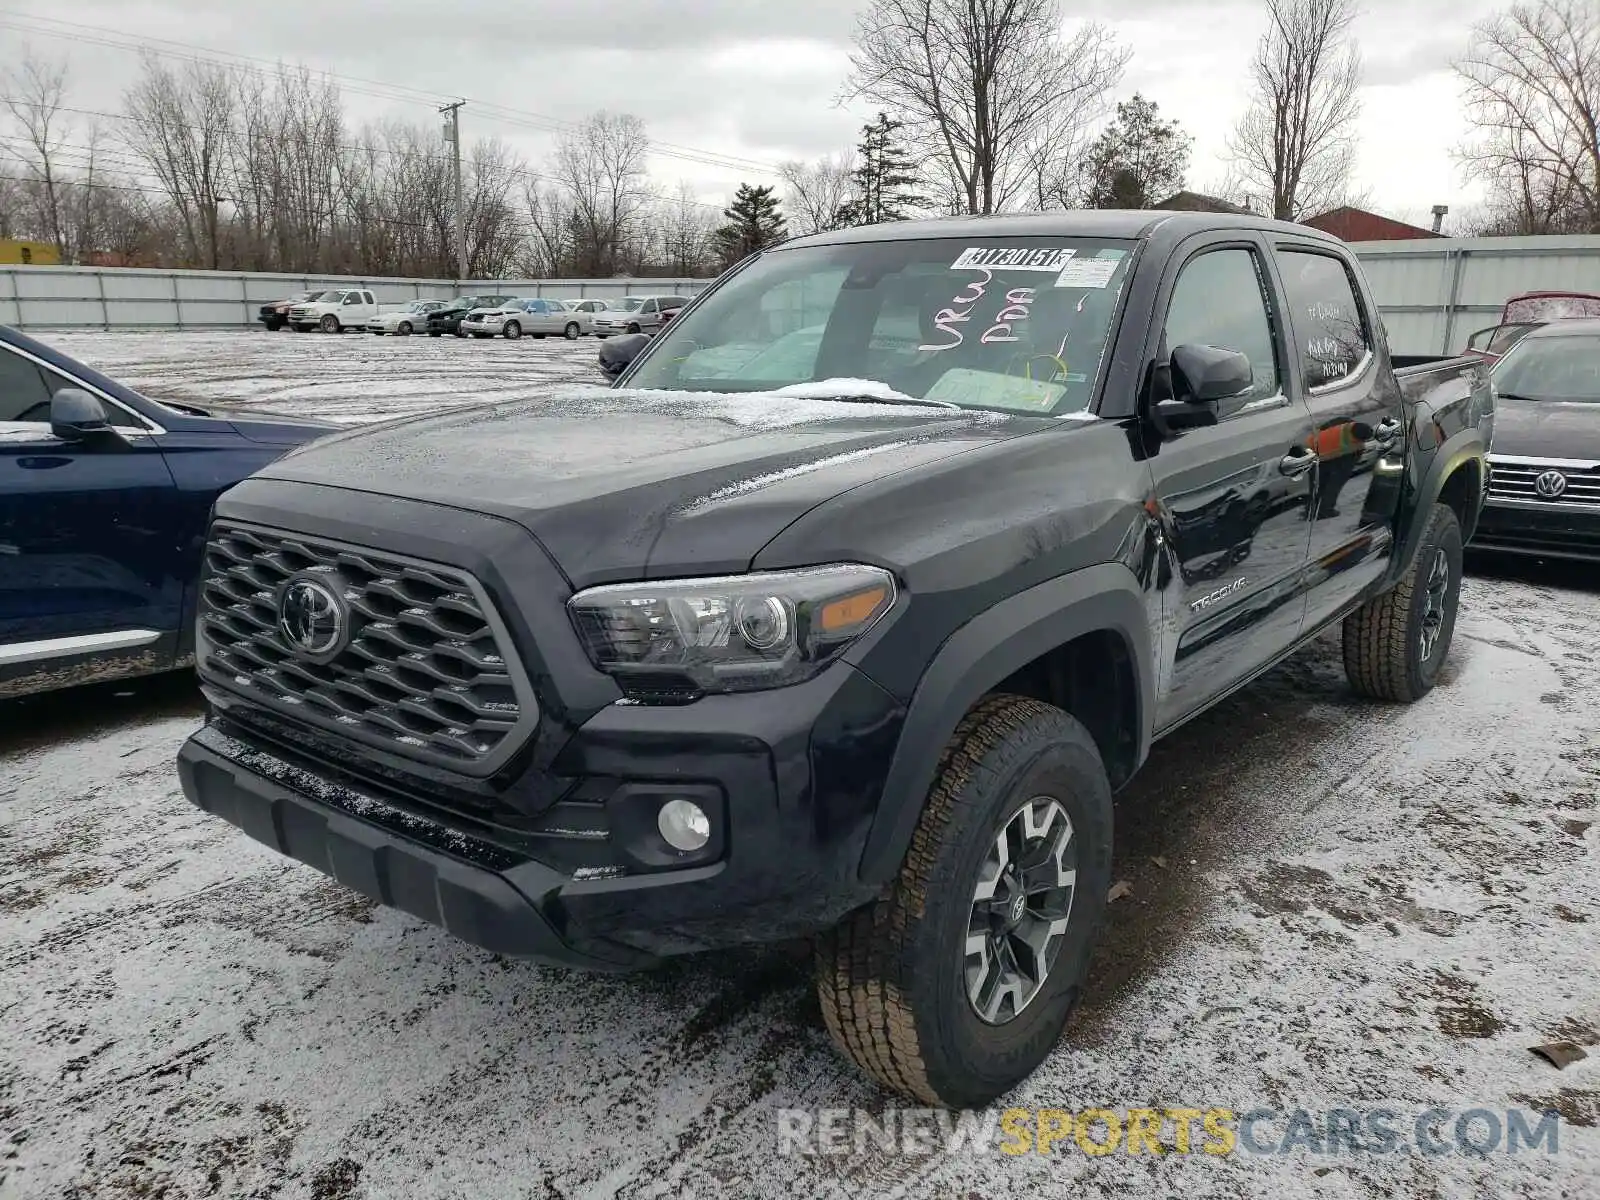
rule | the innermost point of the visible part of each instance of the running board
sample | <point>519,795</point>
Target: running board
<point>89,643</point>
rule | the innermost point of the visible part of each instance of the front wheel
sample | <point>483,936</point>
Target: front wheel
<point>954,986</point>
<point>403,329</point>
<point>571,331</point>
<point>634,327</point>
<point>1395,644</point>
<point>512,331</point>
<point>330,324</point>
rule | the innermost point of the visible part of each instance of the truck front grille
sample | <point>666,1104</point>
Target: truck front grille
<point>422,666</point>
<point>1521,481</point>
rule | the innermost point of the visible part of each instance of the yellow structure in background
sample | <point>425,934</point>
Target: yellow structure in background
<point>38,254</point>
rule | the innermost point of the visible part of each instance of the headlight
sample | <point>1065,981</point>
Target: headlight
<point>736,633</point>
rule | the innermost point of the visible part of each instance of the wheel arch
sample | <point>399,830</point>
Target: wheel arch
<point>1077,641</point>
<point>1455,476</point>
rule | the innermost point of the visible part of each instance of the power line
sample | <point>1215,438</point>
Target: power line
<point>189,52</point>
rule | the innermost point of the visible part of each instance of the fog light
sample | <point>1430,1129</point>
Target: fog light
<point>684,825</point>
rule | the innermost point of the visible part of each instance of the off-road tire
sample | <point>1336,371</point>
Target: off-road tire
<point>890,976</point>
<point>1383,638</point>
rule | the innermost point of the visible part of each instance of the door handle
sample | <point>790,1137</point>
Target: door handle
<point>1387,430</point>
<point>1298,462</point>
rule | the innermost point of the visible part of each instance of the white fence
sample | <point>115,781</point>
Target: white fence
<point>1433,292</point>
<point>132,298</point>
<point>1436,291</point>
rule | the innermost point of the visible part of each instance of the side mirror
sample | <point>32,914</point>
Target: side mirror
<point>617,352</point>
<point>1210,375</point>
<point>76,416</point>
<point>1190,389</point>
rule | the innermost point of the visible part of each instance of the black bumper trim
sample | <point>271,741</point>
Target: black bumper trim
<point>341,835</point>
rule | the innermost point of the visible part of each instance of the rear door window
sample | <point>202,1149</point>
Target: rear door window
<point>1334,336</point>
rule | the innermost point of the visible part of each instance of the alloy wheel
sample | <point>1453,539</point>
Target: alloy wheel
<point>1020,910</point>
<point>1434,602</point>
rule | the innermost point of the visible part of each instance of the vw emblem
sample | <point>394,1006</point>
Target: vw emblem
<point>1551,485</point>
<point>311,617</point>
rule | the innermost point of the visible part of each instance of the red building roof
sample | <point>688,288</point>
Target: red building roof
<point>1359,225</point>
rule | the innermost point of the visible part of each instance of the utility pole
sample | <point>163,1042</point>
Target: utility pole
<point>452,130</point>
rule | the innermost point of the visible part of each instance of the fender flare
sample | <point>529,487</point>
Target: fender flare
<point>984,651</point>
<point>1462,446</point>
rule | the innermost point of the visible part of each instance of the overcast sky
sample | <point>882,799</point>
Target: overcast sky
<point>757,81</point>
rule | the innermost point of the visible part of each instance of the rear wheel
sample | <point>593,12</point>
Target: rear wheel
<point>956,985</point>
<point>330,324</point>
<point>571,331</point>
<point>1395,645</point>
<point>512,331</point>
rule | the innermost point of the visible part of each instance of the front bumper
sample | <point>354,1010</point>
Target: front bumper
<point>790,778</point>
<point>482,326</point>
<point>1543,529</point>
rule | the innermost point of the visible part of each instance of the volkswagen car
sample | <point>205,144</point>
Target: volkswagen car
<point>1544,481</point>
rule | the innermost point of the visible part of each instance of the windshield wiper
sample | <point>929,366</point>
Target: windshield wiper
<point>1516,396</point>
<point>850,391</point>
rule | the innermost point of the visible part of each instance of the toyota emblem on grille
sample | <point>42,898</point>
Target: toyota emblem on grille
<point>311,617</point>
<point>1551,485</point>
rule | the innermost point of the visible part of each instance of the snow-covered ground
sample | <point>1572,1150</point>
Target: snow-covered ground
<point>350,378</point>
<point>1333,905</point>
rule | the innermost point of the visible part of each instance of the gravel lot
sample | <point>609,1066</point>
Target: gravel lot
<point>1332,904</point>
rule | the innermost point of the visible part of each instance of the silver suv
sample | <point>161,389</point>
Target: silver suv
<point>636,314</point>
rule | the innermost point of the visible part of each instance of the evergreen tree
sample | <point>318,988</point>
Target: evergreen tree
<point>885,177</point>
<point>754,223</point>
<point>1138,161</point>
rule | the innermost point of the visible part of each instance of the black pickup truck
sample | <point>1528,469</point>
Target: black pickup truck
<point>845,613</point>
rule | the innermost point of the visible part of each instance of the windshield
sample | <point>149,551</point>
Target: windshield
<point>1016,324</point>
<point>625,304</point>
<point>1562,369</point>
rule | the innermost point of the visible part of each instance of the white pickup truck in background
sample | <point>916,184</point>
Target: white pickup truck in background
<point>334,311</point>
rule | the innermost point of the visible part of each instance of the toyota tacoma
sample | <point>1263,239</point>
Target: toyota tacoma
<point>845,613</point>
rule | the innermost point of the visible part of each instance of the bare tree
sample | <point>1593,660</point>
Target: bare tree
<point>180,124</point>
<point>817,193</point>
<point>689,230</point>
<point>1295,145</point>
<point>1533,89</point>
<point>35,91</point>
<point>984,86</point>
<point>601,167</point>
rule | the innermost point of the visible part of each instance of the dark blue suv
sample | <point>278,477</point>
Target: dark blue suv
<point>104,499</point>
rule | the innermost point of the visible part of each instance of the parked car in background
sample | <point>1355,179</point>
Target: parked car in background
<point>585,311</point>
<point>334,311</point>
<point>859,654</point>
<point>1544,481</point>
<point>406,320</point>
<point>635,314</point>
<point>1522,314</point>
<point>275,314</point>
<point>104,499</point>
<point>531,315</point>
<point>448,318</point>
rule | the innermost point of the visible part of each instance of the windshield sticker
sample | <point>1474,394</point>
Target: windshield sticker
<point>979,258</point>
<point>1019,302</point>
<point>987,389</point>
<point>1087,273</point>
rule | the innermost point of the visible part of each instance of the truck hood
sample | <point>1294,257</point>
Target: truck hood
<point>1547,429</point>
<point>622,485</point>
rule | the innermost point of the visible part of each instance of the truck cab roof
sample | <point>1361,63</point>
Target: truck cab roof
<point>1108,222</point>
